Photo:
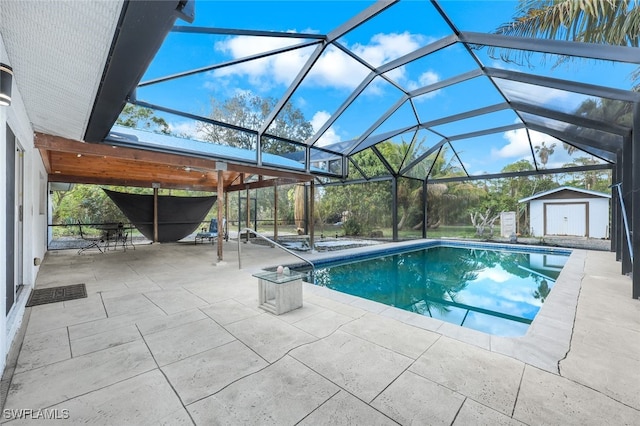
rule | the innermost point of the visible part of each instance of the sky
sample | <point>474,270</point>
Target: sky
<point>401,29</point>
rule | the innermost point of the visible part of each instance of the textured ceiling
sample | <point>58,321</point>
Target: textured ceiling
<point>58,72</point>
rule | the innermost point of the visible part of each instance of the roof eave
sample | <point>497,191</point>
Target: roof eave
<point>563,188</point>
<point>142,28</point>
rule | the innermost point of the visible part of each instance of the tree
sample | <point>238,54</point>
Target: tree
<point>87,204</point>
<point>607,110</point>
<point>409,191</point>
<point>517,186</point>
<point>250,111</point>
<point>142,118</point>
<point>481,220</point>
<point>503,194</point>
<point>590,21</point>
<point>615,22</point>
<point>596,180</point>
<point>449,203</point>
<point>298,203</point>
<point>604,110</point>
<point>544,151</point>
<point>57,197</point>
<point>542,292</point>
<point>369,203</point>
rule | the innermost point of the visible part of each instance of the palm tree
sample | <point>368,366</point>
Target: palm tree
<point>615,22</point>
<point>450,199</point>
<point>542,292</point>
<point>592,21</point>
<point>607,110</point>
<point>544,152</point>
<point>299,201</point>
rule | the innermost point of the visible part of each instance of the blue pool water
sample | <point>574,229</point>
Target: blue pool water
<point>494,291</point>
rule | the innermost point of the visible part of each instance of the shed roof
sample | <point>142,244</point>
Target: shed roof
<point>578,191</point>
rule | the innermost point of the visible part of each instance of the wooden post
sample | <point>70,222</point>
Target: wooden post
<point>226,209</point>
<point>220,213</point>
<point>248,218</point>
<point>275,210</point>
<point>155,214</point>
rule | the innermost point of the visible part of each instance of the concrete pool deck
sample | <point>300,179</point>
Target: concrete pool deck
<point>167,336</point>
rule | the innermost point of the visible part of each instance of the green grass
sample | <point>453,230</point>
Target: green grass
<point>452,231</point>
<point>330,231</point>
<point>440,232</point>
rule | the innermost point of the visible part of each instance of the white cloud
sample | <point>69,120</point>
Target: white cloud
<point>319,118</point>
<point>494,274</point>
<point>518,146</point>
<point>336,69</point>
<point>330,136</point>
<point>275,69</point>
<point>385,47</point>
<point>426,78</point>
<point>429,77</point>
<point>187,129</point>
<point>333,69</point>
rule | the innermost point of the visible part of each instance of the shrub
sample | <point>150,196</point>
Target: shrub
<point>352,227</point>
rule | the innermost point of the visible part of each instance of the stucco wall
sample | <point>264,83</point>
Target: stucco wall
<point>34,223</point>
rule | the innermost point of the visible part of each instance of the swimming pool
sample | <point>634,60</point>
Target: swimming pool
<point>497,291</point>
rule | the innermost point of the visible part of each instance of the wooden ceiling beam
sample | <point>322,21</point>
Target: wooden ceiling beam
<point>260,184</point>
<point>59,144</point>
<point>52,143</point>
<point>101,180</point>
<point>46,159</point>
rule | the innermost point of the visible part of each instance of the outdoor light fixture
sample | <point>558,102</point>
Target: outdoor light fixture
<point>6,75</point>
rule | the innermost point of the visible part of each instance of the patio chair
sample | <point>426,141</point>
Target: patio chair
<point>93,242</point>
<point>212,234</point>
<point>122,237</point>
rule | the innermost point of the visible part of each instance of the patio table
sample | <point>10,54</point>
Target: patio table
<point>279,292</point>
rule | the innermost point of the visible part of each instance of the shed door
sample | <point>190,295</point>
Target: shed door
<point>566,219</point>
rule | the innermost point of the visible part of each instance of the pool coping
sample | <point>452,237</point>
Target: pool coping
<point>548,338</point>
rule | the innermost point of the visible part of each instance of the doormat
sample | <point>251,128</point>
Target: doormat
<point>43,296</point>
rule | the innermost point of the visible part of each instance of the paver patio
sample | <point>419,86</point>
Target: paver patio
<point>167,335</point>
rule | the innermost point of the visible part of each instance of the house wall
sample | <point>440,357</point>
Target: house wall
<point>34,212</point>
<point>598,222</point>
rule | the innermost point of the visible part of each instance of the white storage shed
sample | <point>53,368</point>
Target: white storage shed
<point>568,211</point>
